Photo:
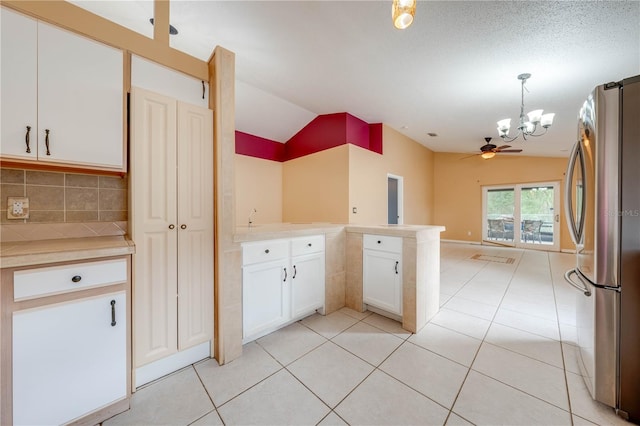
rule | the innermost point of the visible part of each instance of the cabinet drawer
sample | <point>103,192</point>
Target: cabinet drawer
<point>307,245</point>
<point>264,251</point>
<point>383,243</point>
<point>32,283</point>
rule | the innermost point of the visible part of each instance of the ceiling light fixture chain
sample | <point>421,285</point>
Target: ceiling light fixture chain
<point>528,124</point>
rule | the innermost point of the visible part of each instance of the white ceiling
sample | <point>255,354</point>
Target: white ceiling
<point>453,72</point>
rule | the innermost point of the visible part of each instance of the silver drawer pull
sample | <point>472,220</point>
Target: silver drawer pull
<point>76,278</point>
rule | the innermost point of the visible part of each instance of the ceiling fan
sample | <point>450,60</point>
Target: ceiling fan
<point>490,150</point>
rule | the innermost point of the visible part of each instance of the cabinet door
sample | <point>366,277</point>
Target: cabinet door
<point>166,81</point>
<point>381,280</point>
<point>68,359</point>
<point>154,225</point>
<point>80,99</point>
<point>18,90</point>
<point>265,296</point>
<point>195,233</point>
<point>307,285</point>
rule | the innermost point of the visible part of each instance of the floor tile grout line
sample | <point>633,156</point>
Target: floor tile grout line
<point>204,387</point>
<point>564,365</point>
<point>523,391</point>
<point>519,259</point>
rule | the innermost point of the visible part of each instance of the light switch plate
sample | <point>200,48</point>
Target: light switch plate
<point>17,208</point>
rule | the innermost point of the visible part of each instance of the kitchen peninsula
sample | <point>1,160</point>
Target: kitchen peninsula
<point>415,267</point>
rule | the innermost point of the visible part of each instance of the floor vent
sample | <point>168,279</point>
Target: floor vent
<point>497,259</point>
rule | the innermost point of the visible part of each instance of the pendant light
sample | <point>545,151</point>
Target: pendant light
<point>402,12</point>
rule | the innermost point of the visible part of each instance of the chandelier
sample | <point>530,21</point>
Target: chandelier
<point>529,124</point>
<point>402,12</point>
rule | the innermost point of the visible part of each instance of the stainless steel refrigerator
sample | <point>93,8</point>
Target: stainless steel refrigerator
<point>602,199</point>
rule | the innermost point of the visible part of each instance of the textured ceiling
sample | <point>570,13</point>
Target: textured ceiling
<point>453,72</point>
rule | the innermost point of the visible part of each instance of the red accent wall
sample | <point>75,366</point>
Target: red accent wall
<point>323,132</point>
<point>256,146</point>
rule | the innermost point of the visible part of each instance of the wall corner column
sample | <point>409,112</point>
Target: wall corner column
<point>227,256</point>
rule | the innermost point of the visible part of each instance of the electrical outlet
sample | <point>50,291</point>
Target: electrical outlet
<point>17,208</point>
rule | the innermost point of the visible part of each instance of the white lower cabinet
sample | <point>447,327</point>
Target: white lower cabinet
<point>382,272</point>
<point>69,359</point>
<point>307,284</point>
<point>265,296</point>
<point>282,281</point>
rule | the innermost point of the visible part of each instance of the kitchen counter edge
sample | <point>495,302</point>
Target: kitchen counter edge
<point>278,231</point>
<point>37,252</point>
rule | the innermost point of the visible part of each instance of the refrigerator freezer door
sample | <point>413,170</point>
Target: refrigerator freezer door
<point>597,322</point>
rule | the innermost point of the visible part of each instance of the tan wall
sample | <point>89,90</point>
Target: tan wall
<point>458,189</point>
<point>258,185</point>
<point>368,180</point>
<point>316,187</point>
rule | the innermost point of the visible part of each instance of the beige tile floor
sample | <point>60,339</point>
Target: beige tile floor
<point>500,351</point>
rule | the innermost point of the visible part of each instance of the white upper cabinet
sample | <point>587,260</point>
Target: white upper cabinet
<point>63,85</point>
<point>160,79</point>
<point>19,96</point>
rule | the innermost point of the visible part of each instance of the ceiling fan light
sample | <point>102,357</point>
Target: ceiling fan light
<point>534,116</point>
<point>402,12</point>
<point>504,125</point>
<point>488,154</point>
<point>546,120</point>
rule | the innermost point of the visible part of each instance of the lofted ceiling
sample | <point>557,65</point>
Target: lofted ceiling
<point>453,72</point>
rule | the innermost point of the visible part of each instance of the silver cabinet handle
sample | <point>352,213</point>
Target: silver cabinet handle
<point>295,272</point>
<point>172,226</point>
<point>76,278</point>
<point>285,275</point>
<point>582,287</point>
<point>397,267</point>
<point>183,226</point>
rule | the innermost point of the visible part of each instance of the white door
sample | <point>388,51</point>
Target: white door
<point>18,92</point>
<point>307,285</point>
<point>381,280</point>
<point>525,215</point>
<point>69,359</point>
<point>395,195</point>
<point>154,225</point>
<point>80,99</point>
<point>195,219</point>
<point>265,296</point>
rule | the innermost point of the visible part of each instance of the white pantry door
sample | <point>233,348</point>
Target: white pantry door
<point>155,225</point>
<point>195,216</point>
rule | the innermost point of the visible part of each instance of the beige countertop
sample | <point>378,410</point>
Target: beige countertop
<point>288,230</point>
<point>28,253</point>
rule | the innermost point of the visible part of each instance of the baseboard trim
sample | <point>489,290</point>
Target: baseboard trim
<point>477,243</point>
<point>150,372</point>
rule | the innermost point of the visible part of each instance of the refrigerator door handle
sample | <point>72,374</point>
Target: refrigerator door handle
<point>569,212</point>
<point>582,286</point>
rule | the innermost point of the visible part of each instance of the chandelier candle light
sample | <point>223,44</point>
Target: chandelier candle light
<point>402,12</point>
<point>526,127</point>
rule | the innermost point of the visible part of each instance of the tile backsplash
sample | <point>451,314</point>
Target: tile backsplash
<point>56,197</point>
